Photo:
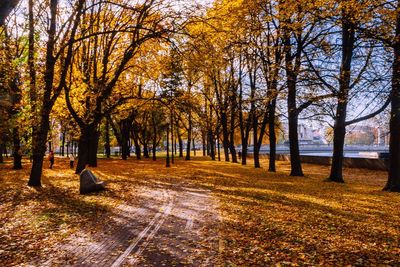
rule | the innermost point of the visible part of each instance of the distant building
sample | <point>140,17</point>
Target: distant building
<point>307,135</point>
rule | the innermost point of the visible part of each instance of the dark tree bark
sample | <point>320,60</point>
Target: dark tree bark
<point>51,93</point>
<point>136,142</point>
<point>194,147</point>
<point>87,148</point>
<point>16,101</point>
<point>180,143</point>
<point>93,145</point>
<point>292,72</point>
<point>189,137</point>
<point>225,135</point>
<point>145,150</point>
<point>168,164</point>
<point>211,142</point>
<point>204,143</point>
<point>125,128</point>
<point>107,140</point>
<point>247,124</point>
<point>256,151</point>
<point>339,132</point>
<point>17,156</point>
<point>1,152</point>
<point>63,144</point>
<point>155,142</point>
<point>272,135</point>
<point>232,148</point>
<point>218,148</point>
<point>393,183</point>
<point>172,137</point>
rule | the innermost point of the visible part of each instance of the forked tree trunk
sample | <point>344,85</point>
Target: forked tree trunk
<point>339,132</point>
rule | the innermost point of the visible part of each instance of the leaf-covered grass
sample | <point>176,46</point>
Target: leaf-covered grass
<point>266,218</point>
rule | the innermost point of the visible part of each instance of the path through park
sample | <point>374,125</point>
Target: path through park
<point>175,225</point>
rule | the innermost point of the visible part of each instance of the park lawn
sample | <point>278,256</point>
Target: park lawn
<point>265,218</point>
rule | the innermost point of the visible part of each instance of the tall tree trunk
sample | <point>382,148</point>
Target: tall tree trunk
<point>339,132</point>
<point>393,183</point>
<point>292,71</point>
<point>17,156</point>
<point>295,161</point>
<point>93,145</point>
<point>87,148</point>
<point>180,142</point>
<point>189,137</point>
<point>107,140</point>
<point>125,127</point>
<point>194,147</point>
<point>256,152</point>
<point>204,143</point>
<point>145,150</point>
<point>218,147</point>
<point>1,152</point>
<point>212,144</point>
<point>63,144</point>
<point>136,142</point>
<point>39,138</point>
<point>167,164</point>
<point>225,135</point>
<point>272,135</point>
<point>172,137</point>
<point>231,145</point>
<point>154,148</point>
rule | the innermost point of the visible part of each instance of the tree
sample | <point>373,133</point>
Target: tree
<point>51,91</point>
<point>120,39</point>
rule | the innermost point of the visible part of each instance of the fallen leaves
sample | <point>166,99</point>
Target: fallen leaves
<point>265,218</point>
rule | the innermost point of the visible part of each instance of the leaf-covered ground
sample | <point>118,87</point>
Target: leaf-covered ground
<point>265,218</point>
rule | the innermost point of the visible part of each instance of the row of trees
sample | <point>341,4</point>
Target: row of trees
<point>226,73</point>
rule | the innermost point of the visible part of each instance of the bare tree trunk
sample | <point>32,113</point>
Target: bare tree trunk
<point>107,140</point>
<point>167,164</point>
<point>17,156</point>
<point>194,147</point>
<point>339,132</point>
<point>225,135</point>
<point>63,144</point>
<point>1,152</point>
<point>212,144</point>
<point>189,137</point>
<point>87,148</point>
<point>393,183</point>
<point>272,135</point>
